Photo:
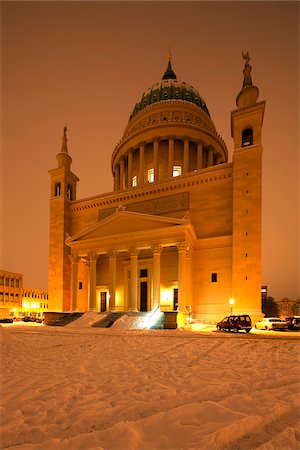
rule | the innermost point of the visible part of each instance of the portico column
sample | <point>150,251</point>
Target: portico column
<point>133,279</point>
<point>155,158</point>
<point>210,159</point>
<point>171,155</point>
<point>92,282</point>
<point>129,172</point>
<point>142,163</point>
<point>199,156</point>
<point>157,249</point>
<point>189,299</point>
<point>186,145</point>
<point>112,280</point>
<point>74,281</point>
<point>182,247</point>
<point>122,174</point>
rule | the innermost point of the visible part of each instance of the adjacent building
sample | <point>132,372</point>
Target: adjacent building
<point>17,301</point>
<point>182,228</point>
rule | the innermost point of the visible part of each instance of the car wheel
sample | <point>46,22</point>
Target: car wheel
<point>247,331</point>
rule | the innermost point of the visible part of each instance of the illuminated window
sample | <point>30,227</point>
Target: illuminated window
<point>134,181</point>
<point>176,171</point>
<point>150,175</point>
<point>214,277</point>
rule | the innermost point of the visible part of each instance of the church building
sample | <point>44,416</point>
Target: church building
<point>182,228</point>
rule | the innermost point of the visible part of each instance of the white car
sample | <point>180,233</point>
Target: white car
<point>271,323</point>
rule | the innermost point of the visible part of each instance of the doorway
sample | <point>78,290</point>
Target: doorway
<point>143,295</point>
<point>103,304</point>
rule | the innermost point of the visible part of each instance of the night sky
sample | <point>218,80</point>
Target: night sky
<point>85,64</point>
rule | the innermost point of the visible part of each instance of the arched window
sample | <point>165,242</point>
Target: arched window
<point>247,137</point>
<point>57,189</point>
<point>69,192</point>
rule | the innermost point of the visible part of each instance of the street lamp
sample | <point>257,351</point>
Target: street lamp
<point>231,301</point>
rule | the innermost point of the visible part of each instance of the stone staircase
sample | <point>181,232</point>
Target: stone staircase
<point>65,320</point>
<point>108,320</point>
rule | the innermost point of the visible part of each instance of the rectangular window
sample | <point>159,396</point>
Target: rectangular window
<point>17,282</point>
<point>80,285</point>
<point>1,280</point>
<point>143,273</point>
<point>151,175</point>
<point>6,281</point>
<point>214,277</point>
<point>12,282</point>
<point>176,171</point>
<point>134,181</point>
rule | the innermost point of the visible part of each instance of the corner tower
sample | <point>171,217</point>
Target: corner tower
<point>246,126</point>
<point>63,192</point>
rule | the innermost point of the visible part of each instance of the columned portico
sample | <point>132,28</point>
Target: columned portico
<point>112,280</point>
<point>92,281</point>
<point>157,249</point>
<point>133,279</point>
<point>74,281</point>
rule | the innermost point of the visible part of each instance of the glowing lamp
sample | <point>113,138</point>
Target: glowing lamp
<point>231,301</point>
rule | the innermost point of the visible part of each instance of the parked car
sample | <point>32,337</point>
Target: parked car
<point>293,323</point>
<point>28,319</point>
<point>6,320</point>
<point>235,323</point>
<point>271,323</point>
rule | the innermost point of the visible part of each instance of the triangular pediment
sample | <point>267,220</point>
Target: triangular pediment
<point>126,222</point>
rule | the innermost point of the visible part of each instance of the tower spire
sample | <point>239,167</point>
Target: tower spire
<point>169,72</point>
<point>64,148</point>
<point>249,93</point>
<point>247,70</point>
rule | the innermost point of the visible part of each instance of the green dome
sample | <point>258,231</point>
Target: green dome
<point>169,88</point>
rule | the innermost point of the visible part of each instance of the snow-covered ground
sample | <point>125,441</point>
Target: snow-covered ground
<point>84,388</point>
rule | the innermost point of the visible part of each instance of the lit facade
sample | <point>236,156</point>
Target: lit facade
<point>17,301</point>
<point>182,228</point>
<point>11,289</point>
<point>34,302</point>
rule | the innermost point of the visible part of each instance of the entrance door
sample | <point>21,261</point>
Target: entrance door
<point>143,295</point>
<point>175,299</point>
<point>103,301</point>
